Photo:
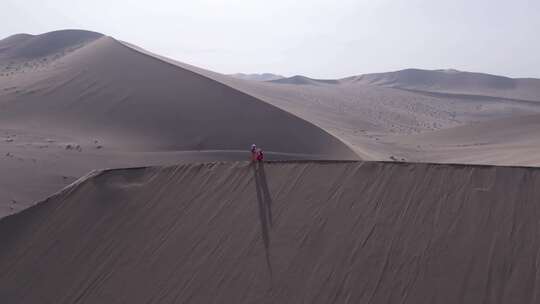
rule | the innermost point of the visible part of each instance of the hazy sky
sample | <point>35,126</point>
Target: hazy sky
<point>324,39</point>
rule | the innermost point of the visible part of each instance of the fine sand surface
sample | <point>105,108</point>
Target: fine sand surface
<point>508,141</point>
<point>281,232</point>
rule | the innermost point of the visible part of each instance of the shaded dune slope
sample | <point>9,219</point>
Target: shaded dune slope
<point>285,232</point>
<point>111,91</point>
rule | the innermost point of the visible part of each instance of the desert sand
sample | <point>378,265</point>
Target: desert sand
<point>410,186</point>
<point>281,232</point>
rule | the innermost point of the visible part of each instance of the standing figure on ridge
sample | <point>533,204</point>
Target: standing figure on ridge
<point>253,153</point>
<point>260,155</point>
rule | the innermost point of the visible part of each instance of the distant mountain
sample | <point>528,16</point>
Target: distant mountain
<point>257,77</point>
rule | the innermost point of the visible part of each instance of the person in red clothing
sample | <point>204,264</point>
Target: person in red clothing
<point>260,155</point>
<point>253,152</point>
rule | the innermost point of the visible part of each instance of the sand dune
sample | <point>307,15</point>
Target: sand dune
<point>25,46</point>
<point>307,230</point>
<point>257,77</point>
<point>453,81</point>
<point>313,232</point>
<point>369,117</point>
<point>298,79</point>
<point>363,114</point>
<point>110,91</point>
<point>117,106</point>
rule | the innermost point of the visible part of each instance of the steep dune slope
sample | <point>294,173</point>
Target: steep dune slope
<point>305,232</point>
<point>108,90</point>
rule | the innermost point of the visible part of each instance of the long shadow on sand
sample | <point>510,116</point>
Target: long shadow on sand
<point>265,208</point>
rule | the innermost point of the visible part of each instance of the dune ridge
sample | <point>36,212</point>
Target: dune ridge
<point>284,232</point>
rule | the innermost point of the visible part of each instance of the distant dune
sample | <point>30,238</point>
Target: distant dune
<point>293,232</point>
<point>453,81</point>
<point>257,77</point>
<point>25,46</point>
<point>298,79</point>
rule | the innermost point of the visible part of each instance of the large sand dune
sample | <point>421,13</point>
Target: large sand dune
<point>293,232</point>
<point>108,90</point>
<point>73,101</point>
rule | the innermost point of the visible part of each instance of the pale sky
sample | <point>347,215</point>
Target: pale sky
<point>320,39</point>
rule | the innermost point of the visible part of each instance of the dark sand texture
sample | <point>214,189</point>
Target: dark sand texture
<point>285,232</point>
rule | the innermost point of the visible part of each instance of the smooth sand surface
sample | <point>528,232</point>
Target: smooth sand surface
<point>282,232</point>
<point>508,141</point>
